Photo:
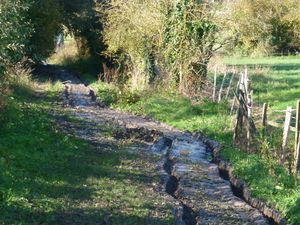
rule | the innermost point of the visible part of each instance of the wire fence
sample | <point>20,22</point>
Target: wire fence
<point>254,123</point>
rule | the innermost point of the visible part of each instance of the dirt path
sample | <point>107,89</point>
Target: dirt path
<point>200,195</point>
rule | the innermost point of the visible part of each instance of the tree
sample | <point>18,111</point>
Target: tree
<point>15,31</point>
<point>85,23</point>
<point>191,37</point>
<point>46,19</point>
<point>133,34</point>
<point>264,27</point>
<point>178,37</point>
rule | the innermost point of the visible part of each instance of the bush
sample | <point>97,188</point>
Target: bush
<point>85,23</point>
<point>108,94</point>
<point>14,33</point>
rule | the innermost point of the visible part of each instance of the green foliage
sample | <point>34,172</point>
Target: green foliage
<point>30,27</point>
<point>133,33</point>
<point>14,34</point>
<point>14,31</point>
<point>108,94</point>
<point>163,40</point>
<point>85,23</point>
<point>69,56</point>
<point>190,40</point>
<point>45,17</point>
<point>265,27</point>
<point>116,95</point>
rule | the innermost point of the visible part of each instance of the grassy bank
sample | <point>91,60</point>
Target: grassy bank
<point>49,176</point>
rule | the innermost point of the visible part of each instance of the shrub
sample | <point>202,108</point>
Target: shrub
<point>108,94</point>
<point>117,95</point>
<point>14,33</point>
<point>45,17</point>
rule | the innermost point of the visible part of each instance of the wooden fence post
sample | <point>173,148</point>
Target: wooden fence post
<point>242,83</point>
<point>236,90</point>
<point>286,130</point>
<point>246,86</point>
<point>297,142</point>
<point>230,82</point>
<point>239,118</point>
<point>297,160</point>
<point>249,114</point>
<point>264,118</point>
<point>215,84</point>
<point>221,89</point>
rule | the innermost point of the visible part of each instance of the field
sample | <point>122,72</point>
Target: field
<point>275,80</point>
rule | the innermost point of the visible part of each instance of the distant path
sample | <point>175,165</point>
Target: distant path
<point>186,173</point>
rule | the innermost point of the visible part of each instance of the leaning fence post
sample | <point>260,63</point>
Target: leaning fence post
<point>239,119</point>
<point>264,118</point>
<point>246,85</point>
<point>297,142</point>
<point>215,84</point>
<point>230,82</point>
<point>286,130</point>
<point>221,89</point>
<point>249,114</point>
<point>237,89</point>
<point>297,160</point>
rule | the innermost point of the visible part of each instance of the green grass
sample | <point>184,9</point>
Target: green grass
<point>275,80</point>
<point>51,177</point>
<point>170,108</point>
<point>178,112</point>
<point>276,186</point>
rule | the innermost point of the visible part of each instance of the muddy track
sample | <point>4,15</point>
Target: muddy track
<point>189,216</point>
<point>203,196</point>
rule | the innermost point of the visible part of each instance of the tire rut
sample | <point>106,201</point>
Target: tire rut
<point>189,216</point>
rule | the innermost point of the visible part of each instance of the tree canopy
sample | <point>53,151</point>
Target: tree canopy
<point>264,27</point>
